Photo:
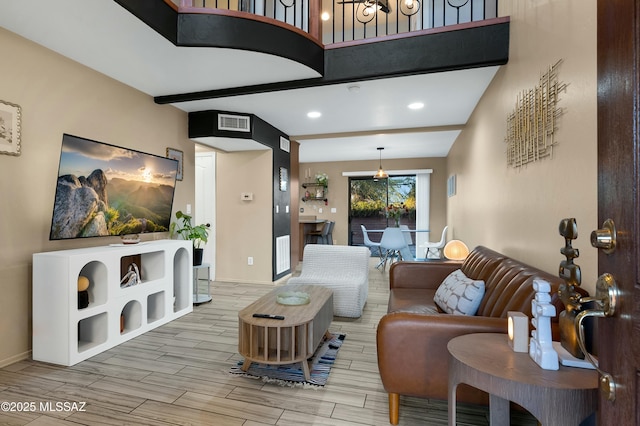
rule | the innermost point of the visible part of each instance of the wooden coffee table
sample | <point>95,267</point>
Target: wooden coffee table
<point>293,339</point>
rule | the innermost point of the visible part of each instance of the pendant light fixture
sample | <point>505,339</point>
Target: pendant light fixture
<point>381,173</point>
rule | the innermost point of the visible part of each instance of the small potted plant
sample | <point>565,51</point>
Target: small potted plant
<point>199,234</point>
<point>322,179</point>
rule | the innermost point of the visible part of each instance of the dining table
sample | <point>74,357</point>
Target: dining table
<point>405,251</point>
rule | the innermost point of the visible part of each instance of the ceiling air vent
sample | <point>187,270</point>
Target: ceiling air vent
<point>285,144</point>
<point>234,123</point>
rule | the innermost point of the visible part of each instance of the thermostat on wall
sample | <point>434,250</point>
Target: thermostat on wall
<point>246,196</point>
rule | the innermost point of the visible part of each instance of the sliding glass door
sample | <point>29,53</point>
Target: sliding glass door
<point>377,204</point>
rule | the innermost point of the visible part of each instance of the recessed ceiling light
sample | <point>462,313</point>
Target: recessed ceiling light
<point>314,114</point>
<point>416,105</point>
<point>325,16</point>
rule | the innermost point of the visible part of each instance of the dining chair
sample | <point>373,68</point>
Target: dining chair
<point>393,243</point>
<point>406,234</point>
<point>435,248</point>
<point>329,236</point>
<point>319,236</point>
<point>371,244</point>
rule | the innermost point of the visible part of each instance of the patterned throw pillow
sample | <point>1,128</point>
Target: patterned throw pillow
<point>459,295</point>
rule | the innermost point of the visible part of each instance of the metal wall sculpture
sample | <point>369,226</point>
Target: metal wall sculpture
<point>532,126</point>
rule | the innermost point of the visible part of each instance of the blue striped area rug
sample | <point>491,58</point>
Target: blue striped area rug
<point>291,374</point>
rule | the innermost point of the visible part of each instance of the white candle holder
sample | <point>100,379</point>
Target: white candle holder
<point>518,331</point>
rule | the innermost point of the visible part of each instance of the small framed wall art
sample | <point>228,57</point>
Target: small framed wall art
<point>10,121</point>
<point>451,186</point>
<point>176,154</point>
<point>284,179</point>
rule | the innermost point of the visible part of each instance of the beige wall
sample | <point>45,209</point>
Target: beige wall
<point>244,228</point>
<point>517,212</point>
<point>60,96</point>
<point>339,190</point>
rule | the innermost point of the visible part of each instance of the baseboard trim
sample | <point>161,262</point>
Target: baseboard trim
<point>15,358</point>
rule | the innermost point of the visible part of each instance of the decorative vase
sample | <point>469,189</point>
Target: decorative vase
<point>83,299</point>
<point>397,219</point>
<point>197,256</point>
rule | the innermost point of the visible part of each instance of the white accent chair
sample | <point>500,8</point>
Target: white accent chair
<point>435,248</point>
<point>343,269</point>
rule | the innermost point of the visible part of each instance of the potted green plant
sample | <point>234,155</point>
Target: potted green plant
<point>322,179</point>
<point>199,234</point>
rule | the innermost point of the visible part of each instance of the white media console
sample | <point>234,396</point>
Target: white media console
<point>65,334</point>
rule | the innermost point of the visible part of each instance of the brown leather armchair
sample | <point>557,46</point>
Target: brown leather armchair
<point>412,337</point>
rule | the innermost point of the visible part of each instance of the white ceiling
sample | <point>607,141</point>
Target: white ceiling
<point>105,37</point>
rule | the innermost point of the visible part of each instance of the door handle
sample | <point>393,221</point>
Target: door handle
<point>605,238</point>
<point>605,302</point>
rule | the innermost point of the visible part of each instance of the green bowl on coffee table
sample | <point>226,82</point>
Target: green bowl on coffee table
<point>293,298</point>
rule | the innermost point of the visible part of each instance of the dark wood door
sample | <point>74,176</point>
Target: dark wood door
<point>618,174</point>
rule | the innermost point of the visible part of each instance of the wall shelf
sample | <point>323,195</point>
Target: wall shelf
<point>315,192</point>
<point>65,334</point>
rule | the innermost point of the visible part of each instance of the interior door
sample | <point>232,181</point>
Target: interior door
<point>618,151</point>
<point>205,187</point>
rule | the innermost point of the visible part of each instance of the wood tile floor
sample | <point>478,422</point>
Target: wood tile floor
<point>177,374</point>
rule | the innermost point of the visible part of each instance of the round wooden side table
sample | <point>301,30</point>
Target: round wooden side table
<point>555,397</point>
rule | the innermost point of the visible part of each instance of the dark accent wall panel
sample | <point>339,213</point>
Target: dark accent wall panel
<point>156,14</point>
<point>268,135</point>
<point>202,30</point>
<point>294,195</point>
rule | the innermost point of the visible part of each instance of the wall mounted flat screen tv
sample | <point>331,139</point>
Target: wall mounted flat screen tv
<point>106,190</point>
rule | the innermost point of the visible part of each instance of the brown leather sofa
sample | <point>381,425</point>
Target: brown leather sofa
<point>412,337</point>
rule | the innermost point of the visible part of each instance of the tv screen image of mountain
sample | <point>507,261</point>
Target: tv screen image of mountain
<point>107,190</point>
